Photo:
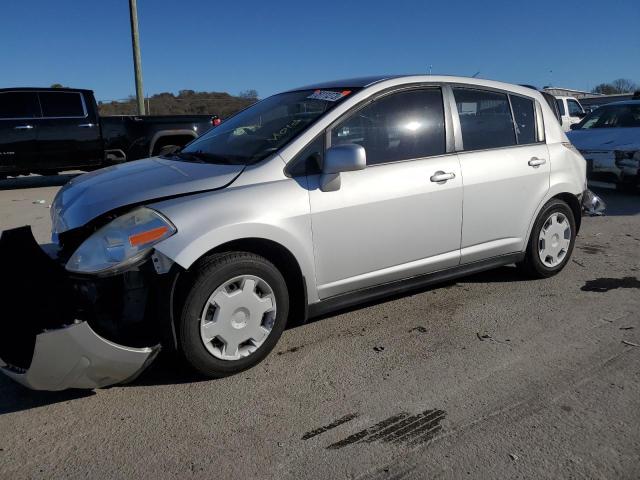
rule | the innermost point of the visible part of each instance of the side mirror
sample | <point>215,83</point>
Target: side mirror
<point>341,158</point>
<point>574,126</point>
<point>579,114</point>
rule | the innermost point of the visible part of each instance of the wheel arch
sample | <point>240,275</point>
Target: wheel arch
<point>283,259</point>
<point>164,134</point>
<point>567,197</point>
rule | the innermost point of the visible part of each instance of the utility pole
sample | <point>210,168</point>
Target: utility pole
<point>137,63</point>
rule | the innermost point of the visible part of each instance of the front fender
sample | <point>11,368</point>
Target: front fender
<point>206,221</point>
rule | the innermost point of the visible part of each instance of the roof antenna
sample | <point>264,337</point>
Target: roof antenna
<point>430,67</point>
<point>475,75</point>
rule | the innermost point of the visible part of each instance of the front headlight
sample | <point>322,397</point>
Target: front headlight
<point>120,243</point>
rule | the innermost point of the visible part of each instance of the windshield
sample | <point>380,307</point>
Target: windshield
<point>263,128</point>
<point>613,116</point>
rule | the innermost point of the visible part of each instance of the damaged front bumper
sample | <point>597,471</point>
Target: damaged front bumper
<point>51,337</point>
<point>77,357</point>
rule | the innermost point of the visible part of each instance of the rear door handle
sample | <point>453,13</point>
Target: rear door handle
<point>23,127</point>
<point>87,125</point>
<point>536,162</point>
<point>441,176</point>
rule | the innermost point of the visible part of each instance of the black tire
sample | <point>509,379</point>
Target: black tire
<point>532,265</point>
<point>159,149</point>
<point>212,273</point>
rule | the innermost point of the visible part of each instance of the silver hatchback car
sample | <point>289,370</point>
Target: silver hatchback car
<point>306,202</point>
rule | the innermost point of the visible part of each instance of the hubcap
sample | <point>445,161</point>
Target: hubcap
<point>238,317</point>
<point>554,240</point>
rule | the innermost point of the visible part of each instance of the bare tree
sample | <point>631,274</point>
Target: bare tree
<point>250,94</point>
<point>623,85</point>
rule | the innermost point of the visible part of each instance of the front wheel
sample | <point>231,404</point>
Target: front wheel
<point>233,315</point>
<point>551,241</point>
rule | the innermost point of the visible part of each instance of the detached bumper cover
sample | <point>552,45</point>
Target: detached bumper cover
<point>77,357</point>
<point>592,204</point>
<point>46,337</point>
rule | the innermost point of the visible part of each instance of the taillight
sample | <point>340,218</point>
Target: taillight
<point>215,121</point>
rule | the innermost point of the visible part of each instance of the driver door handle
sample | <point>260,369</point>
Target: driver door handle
<point>536,162</point>
<point>441,177</point>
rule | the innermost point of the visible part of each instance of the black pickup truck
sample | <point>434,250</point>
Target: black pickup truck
<point>47,130</point>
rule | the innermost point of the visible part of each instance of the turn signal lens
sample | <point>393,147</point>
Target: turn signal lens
<point>143,238</point>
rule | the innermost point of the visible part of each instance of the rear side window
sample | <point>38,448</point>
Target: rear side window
<point>19,105</point>
<point>485,119</point>
<point>61,104</point>
<point>524,116</point>
<point>560,104</point>
<point>574,108</point>
<point>399,126</point>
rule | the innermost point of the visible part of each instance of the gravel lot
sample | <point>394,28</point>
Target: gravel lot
<point>487,377</point>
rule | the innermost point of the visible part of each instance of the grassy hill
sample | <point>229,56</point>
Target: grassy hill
<point>186,102</point>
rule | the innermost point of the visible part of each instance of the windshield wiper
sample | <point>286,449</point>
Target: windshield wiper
<point>206,157</point>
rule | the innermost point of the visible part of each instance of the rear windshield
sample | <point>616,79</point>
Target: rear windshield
<point>612,116</point>
<point>263,128</point>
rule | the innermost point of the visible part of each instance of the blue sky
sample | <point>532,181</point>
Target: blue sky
<point>278,44</point>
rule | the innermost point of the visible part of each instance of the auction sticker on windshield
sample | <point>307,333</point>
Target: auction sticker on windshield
<point>328,95</point>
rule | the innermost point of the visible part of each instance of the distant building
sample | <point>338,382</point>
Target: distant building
<point>590,101</point>
<point>568,92</point>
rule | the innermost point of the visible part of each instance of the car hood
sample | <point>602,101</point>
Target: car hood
<point>93,194</point>
<point>606,138</point>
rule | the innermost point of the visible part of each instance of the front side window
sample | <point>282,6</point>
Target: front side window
<point>574,108</point>
<point>61,104</point>
<point>485,119</point>
<point>613,116</point>
<point>263,128</point>
<point>399,126</point>
<point>524,116</point>
<point>560,104</point>
<point>19,105</point>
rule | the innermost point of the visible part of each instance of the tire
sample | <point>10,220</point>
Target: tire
<point>214,276</point>
<point>159,149</point>
<point>533,265</point>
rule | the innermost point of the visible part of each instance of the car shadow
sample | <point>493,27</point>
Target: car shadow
<point>16,398</point>
<point>504,274</point>
<point>167,369</point>
<point>37,181</point>
<point>170,369</point>
<point>618,203</point>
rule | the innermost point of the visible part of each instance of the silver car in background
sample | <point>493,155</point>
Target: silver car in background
<point>306,202</point>
<point>609,139</point>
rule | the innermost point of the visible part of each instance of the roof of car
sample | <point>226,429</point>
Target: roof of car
<point>348,82</point>
<point>44,89</point>
<point>363,82</point>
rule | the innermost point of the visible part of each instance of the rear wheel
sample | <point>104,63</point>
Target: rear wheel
<point>234,313</point>
<point>551,241</point>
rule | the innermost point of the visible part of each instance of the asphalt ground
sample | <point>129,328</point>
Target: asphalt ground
<point>491,376</point>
